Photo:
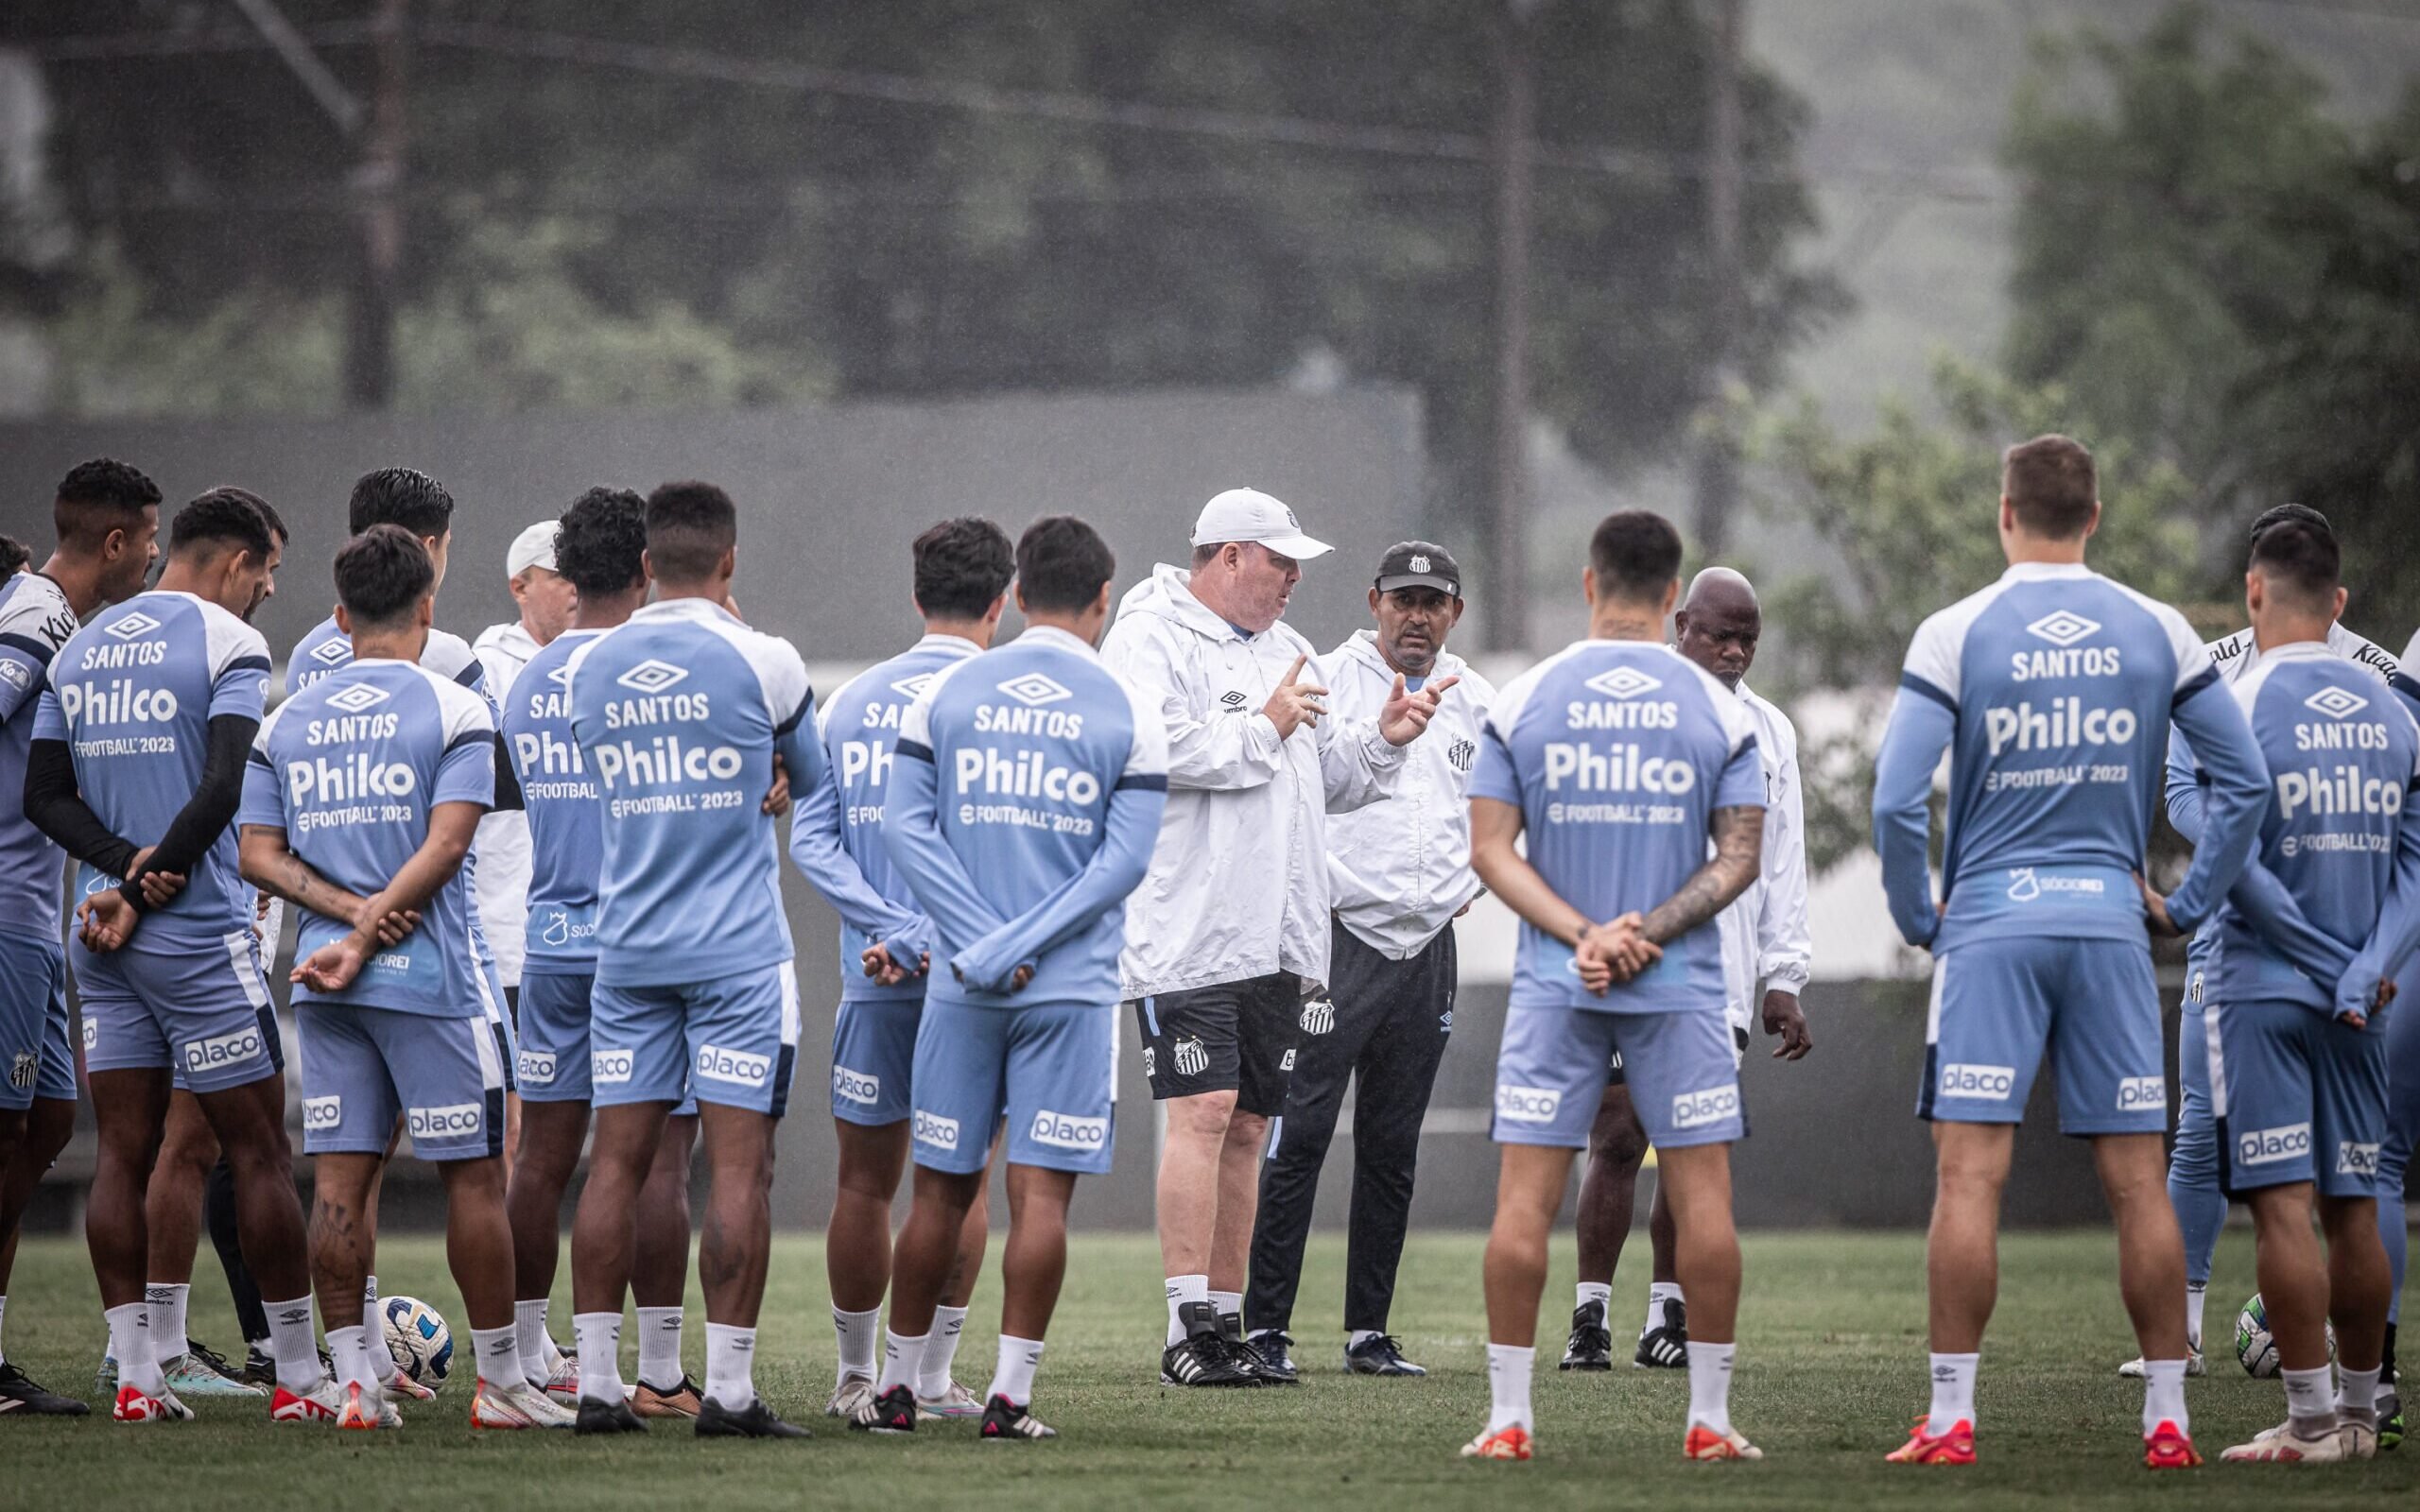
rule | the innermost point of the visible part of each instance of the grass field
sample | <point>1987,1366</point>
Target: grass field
<point>1831,1370</point>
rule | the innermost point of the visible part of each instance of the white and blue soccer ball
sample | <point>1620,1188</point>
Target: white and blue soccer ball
<point>419,1338</point>
<point>2255,1347</point>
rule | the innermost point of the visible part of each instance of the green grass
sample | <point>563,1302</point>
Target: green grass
<point>1831,1370</point>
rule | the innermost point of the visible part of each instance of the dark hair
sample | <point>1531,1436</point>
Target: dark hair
<point>2051,484</point>
<point>382,574</point>
<point>2279,514</point>
<point>222,517</point>
<point>97,497</point>
<point>402,496</point>
<point>2301,558</point>
<point>600,543</point>
<point>689,526</point>
<point>13,556</point>
<point>961,566</point>
<point>270,516</point>
<point>1635,555</point>
<point>1062,564</point>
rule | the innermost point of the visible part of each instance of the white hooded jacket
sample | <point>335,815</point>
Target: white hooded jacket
<point>1238,883</point>
<point>501,884</point>
<point>1767,946</point>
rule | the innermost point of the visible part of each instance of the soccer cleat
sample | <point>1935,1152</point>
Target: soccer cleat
<point>1704,1443</point>
<point>889,1412</point>
<point>2390,1409</point>
<point>403,1385</point>
<point>105,1378</point>
<point>2361,1439</point>
<point>22,1394</point>
<point>564,1385</point>
<point>1379,1355</point>
<point>851,1394</point>
<point>1591,1345</point>
<point>1955,1447</point>
<point>599,1417</point>
<point>1500,1443</point>
<point>755,1420</point>
<point>1666,1346</point>
<point>200,1372</point>
<point>517,1404</point>
<point>367,1409</point>
<point>1004,1420</point>
<point>955,1403</point>
<point>1246,1358</point>
<point>132,1406</point>
<point>681,1400</point>
<point>2170,1448</point>
<point>323,1403</point>
<point>1201,1358</point>
<point>259,1369</point>
<point>2282,1445</point>
<point>1271,1351</point>
<point>2194,1365</point>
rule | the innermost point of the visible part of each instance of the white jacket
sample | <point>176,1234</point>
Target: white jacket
<point>1766,943</point>
<point>502,882</point>
<point>1400,869</point>
<point>1238,882</point>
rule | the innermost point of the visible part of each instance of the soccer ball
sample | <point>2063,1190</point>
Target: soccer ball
<point>2253,1345</point>
<point>417,1338</point>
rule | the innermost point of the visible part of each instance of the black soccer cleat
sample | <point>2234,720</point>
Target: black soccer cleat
<point>889,1412</point>
<point>1004,1420</point>
<point>1591,1345</point>
<point>1271,1351</point>
<point>259,1369</point>
<point>22,1395</point>
<point>755,1420</point>
<point>1202,1357</point>
<point>615,1417</point>
<point>1379,1355</point>
<point>1246,1358</point>
<point>1666,1346</point>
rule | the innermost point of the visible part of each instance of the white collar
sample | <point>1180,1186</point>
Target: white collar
<point>2035,572</point>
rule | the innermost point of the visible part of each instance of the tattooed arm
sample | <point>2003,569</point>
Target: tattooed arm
<point>268,864</point>
<point>1739,850</point>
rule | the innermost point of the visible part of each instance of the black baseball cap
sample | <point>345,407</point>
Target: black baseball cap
<point>1419,564</point>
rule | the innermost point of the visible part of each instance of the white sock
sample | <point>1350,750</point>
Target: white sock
<point>1227,1305</point>
<point>1953,1392</point>
<point>902,1360</point>
<point>1710,1385</point>
<point>940,1352</point>
<point>349,1351</point>
<point>2164,1395</point>
<point>2357,1396</point>
<point>599,1338</point>
<point>2309,1401</point>
<point>381,1359</point>
<point>1508,1384</point>
<point>2194,1298</point>
<point>289,1343</point>
<point>549,1358</point>
<point>167,1307</point>
<point>1601,1292</point>
<point>1013,1378</point>
<point>4,1314</point>
<point>660,1348</point>
<point>529,1331</point>
<point>859,1334</point>
<point>1658,1292</point>
<point>1355,1338</point>
<point>731,1366</point>
<point>1181,1290</point>
<point>138,1363</point>
<point>497,1355</point>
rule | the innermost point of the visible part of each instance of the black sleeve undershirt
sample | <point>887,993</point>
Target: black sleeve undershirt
<point>57,808</point>
<point>211,808</point>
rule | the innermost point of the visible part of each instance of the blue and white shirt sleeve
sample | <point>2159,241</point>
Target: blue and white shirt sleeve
<point>238,668</point>
<point>34,623</point>
<point>1924,721</point>
<point>789,702</point>
<point>2237,796</point>
<point>819,852</point>
<point>1496,775</point>
<point>264,801</point>
<point>2398,937</point>
<point>911,825</point>
<point>466,772</point>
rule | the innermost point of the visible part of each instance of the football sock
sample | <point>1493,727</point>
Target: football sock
<point>858,1334</point>
<point>1013,1378</point>
<point>167,1306</point>
<point>599,1338</point>
<point>381,1357</point>
<point>2196,1292</point>
<point>497,1355</point>
<point>2311,1405</point>
<point>2164,1395</point>
<point>530,1333</point>
<point>1181,1290</point>
<point>4,1314</point>
<point>138,1363</point>
<point>902,1360</point>
<point>1953,1392</point>
<point>289,1343</point>
<point>349,1351</point>
<point>731,1366</point>
<point>1601,1292</point>
<point>1508,1386</point>
<point>1355,1338</point>
<point>1227,1305</point>
<point>940,1352</point>
<point>660,1348</point>
<point>2357,1397</point>
<point>1658,1292</point>
<point>1710,1385</point>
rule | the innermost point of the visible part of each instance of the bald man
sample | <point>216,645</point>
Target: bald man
<point>1764,943</point>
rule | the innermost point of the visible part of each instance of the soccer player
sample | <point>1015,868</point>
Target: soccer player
<point>679,712</point>
<point>136,770</point>
<point>2053,691</point>
<point>2402,1138</point>
<point>544,597</point>
<point>107,515</point>
<point>359,803</point>
<point>1765,942</point>
<point>1399,874</point>
<point>1620,759</point>
<point>2298,1073</point>
<point>962,569</point>
<point>1023,804</point>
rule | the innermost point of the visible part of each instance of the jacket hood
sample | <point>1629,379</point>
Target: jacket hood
<point>1165,595</point>
<point>510,636</point>
<point>1362,645</point>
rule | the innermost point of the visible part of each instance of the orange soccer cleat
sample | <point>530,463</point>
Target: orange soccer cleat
<point>1504,1443</point>
<point>1955,1447</point>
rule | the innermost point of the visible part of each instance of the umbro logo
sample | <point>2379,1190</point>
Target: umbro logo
<point>913,688</point>
<point>133,625</point>
<point>332,653</point>
<point>559,674</point>
<point>2336,703</point>
<point>1623,682</point>
<point>1034,690</point>
<point>1232,700</point>
<point>652,675</point>
<point>2063,627</point>
<point>358,697</point>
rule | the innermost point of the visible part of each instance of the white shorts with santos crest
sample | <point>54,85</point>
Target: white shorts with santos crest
<point>730,1040</point>
<point>1553,1068</point>
<point>363,1066</point>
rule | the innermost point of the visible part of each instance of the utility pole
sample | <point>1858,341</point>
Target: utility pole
<point>377,194</point>
<point>1509,168</point>
<point>1717,457</point>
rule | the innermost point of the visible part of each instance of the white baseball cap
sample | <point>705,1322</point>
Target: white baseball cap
<point>534,547</point>
<point>1248,514</point>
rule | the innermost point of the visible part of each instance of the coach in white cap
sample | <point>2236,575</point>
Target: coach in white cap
<point>502,882</point>
<point>1227,938</point>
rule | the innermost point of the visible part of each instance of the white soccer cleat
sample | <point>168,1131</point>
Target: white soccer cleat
<point>2194,1365</point>
<point>955,1403</point>
<point>132,1406</point>
<point>323,1403</point>
<point>2282,1445</point>
<point>517,1404</point>
<point>400,1384</point>
<point>850,1395</point>
<point>366,1409</point>
<point>564,1385</point>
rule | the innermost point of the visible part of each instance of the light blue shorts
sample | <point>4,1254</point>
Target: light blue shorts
<point>200,1011</point>
<point>731,1040</point>
<point>2093,1005</point>
<point>1047,1069</point>
<point>361,1067</point>
<point>552,1062</point>
<point>2297,1097</point>
<point>1553,1064</point>
<point>874,1054</point>
<point>35,1052</point>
